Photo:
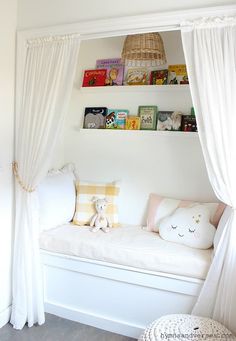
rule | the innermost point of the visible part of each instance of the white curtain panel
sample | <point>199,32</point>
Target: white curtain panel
<point>47,86</point>
<point>210,52</point>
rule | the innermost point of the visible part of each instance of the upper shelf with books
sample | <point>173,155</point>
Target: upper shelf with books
<point>136,88</point>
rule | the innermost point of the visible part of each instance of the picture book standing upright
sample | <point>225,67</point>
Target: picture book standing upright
<point>115,70</point>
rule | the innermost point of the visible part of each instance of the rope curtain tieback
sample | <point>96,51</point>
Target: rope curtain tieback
<point>20,182</point>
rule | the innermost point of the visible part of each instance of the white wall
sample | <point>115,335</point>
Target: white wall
<point>168,164</point>
<point>8,14</point>
<point>35,13</point>
<point>177,160</point>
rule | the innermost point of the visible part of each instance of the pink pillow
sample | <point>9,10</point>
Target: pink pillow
<point>161,207</point>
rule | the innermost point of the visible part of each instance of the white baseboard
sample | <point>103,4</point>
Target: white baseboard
<point>97,321</point>
<point>5,316</point>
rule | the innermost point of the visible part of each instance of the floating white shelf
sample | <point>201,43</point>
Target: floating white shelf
<point>136,91</point>
<point>113,132</point>
<point>135,88</point>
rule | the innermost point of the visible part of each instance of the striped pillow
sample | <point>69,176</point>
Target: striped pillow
<point>85,207</point>
<point>161,207</point>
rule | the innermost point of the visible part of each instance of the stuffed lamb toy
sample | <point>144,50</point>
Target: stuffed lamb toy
<point>100,220</point>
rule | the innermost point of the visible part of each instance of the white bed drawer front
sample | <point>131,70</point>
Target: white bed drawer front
<point>155,280</point>
<point>115,298</point>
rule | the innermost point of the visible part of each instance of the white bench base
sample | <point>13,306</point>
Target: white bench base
<point>119,299</point>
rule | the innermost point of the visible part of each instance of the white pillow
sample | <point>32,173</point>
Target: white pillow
<point>160,207</point>
<point>189,226</point>
<point>57,198</point>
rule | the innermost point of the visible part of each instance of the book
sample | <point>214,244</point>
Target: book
<point>115,70</point>
<point>159,77</point>
<point>132,123</point>
<point>94,77</point>
<point>148,117</point>
<point>177,74</point>
<point>189,123</point>
<point>95,117</point>
<point>169,120</point>
<point>137,76</point>
<point>116,118</point>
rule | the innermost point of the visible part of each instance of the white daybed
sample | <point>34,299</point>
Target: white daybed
<point>119,281</point>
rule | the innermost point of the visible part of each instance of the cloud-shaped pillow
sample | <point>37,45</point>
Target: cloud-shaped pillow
<point>189,226</point>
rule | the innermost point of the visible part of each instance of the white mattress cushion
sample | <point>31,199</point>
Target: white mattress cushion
<point>129,246</point>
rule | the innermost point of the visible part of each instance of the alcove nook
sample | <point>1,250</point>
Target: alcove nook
<point>167,163</point>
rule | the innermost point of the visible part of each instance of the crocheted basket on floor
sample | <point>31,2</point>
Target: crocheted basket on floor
<point>183,327</point>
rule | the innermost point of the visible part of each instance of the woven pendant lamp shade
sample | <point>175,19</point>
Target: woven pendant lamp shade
<point>145,49</point>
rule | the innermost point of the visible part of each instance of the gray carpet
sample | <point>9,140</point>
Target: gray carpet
<point>59,329</point>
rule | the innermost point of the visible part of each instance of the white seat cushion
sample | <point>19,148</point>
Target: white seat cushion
<point>129,246</point>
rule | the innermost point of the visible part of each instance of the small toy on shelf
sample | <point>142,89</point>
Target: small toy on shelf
<point>100,220</point>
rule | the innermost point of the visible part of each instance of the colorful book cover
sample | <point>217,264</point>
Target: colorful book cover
<point>177,74</point>
<point>137,76</point>
<point>132,123</point>
<point>148,117</point>
<point>159,77</point>
<point>116,118</point>
<point>189,123</point>
<point>95,118</point>
<point>169,120</point>
<point>94,77</point>
<point>115,70</point>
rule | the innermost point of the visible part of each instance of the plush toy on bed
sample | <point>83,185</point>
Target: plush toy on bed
<point>189,226</point>
<point>100,220</point>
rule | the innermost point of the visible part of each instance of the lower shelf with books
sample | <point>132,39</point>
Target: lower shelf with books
<point>181,134</point>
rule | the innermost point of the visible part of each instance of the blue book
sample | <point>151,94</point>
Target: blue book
<point>116,118</point>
